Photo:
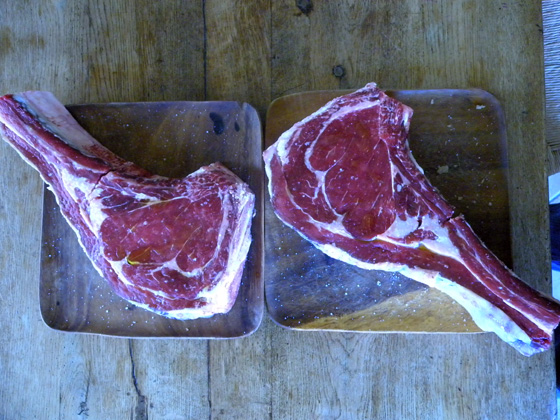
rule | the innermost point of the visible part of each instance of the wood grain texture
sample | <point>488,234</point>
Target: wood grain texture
<point>237,66</point>
<point>101,51</point>
<point>238,51</point>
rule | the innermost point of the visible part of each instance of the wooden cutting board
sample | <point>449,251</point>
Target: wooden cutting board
<point>171,139</point>
<point>458,138</point>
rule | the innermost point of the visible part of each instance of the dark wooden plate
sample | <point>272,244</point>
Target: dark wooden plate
<point>171,139</point>
<point>458,138</point>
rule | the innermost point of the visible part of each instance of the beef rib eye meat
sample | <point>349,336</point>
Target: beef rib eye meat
<point>176,247</point>
<point>344,178</point>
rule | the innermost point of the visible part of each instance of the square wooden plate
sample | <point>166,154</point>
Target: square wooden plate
<point>458,138</point>
<point>171,139</point>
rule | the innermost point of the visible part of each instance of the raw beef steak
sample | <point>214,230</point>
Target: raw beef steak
<point>344,179</point>
<point>176,247</point>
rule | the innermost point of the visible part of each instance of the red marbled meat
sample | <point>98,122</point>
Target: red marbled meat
<point>345,179</point>
<point>176,247</point>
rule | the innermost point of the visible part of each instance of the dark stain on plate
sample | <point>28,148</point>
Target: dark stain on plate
<point>218,121</point>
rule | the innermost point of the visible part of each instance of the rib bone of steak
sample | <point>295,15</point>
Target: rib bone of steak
<point>176,247</point>
<point>344,179</point>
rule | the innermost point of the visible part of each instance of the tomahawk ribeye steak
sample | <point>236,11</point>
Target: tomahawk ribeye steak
<point>344,179</point>
<point>176,247</point>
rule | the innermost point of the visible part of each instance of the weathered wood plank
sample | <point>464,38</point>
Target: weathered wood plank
<point>238,68</point>
<point>171,379</point>
<point>86,382</point>
<point>238,51</point>
<point>26,345</point>
<point>87,51</point>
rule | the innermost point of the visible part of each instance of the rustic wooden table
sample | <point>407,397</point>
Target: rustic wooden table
<point>255,51</point>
